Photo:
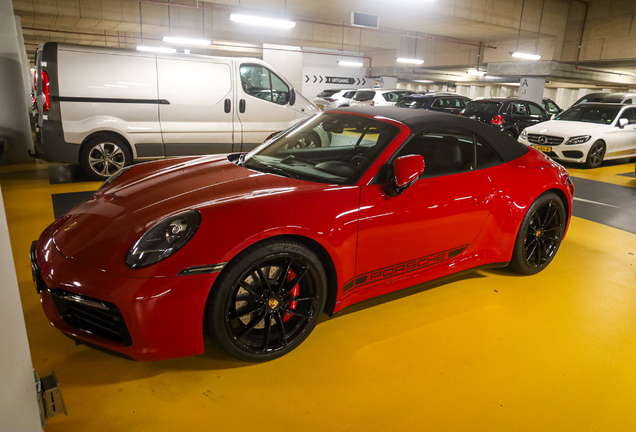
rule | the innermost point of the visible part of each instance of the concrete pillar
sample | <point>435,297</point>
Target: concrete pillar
<point>15,124</point>
<point>389,82</point>
<point>531,88</point>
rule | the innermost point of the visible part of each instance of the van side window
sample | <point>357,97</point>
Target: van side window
<point>260,82</point>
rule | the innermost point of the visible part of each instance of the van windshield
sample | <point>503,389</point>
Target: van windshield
<point>334,148</point>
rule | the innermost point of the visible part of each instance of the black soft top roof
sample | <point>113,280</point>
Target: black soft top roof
<point>420,120</point>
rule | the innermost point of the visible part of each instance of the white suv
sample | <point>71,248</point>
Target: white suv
<point>335,98</point>
<point>378,97</point>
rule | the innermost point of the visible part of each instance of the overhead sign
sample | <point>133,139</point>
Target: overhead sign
<point>336,80</point>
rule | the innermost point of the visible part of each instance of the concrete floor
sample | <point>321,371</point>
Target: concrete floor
<point>487,352</point>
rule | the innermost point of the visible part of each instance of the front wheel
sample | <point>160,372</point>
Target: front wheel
<point>267,301</point>
<point>595,155</point>
<point>103,156</point>
<point>540,235</point>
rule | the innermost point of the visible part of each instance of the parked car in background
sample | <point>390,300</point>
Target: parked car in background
<point>586,133</point>
<point>378,97</point>
<point>396,198</point>
<point>435,102</point>
<point>336,98</point>
<point>622,98</point>
<point>508,115</point>
<point>548,105</point>
<point>106,107</point>
<point>591,97</point>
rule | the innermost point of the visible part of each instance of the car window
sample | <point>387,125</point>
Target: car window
<point>331,148</point>
<point>482,107</point>
<point>535,110</point>
<point>486,156</point>
<point>453,103</point>
<point>612,99</point>
<point>628,102</point>
<point>446,151</point>
<point>519,108</point>
<point>552,108</point>
<point>629,115</point>
<point>438,103</point>
<point>410,103</point>
<point>363,96</point>
<point>260,82</point>
<point>327,93</point>
<point>349,95</point>
<point>392,96</point>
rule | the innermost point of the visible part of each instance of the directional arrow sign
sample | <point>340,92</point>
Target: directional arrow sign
<point>321,79</point>
<point>315,79</point>
<point>307,76</point>
<point>340,80</point>
<point>358,83</point>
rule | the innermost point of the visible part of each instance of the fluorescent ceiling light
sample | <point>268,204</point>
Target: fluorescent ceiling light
<point>411,61</point>
<point>187,41</point>
<point>475,72</point>
<point>163,50</point>
<point>350,63</point>
<point>267,22</point>
<point>525,55</point>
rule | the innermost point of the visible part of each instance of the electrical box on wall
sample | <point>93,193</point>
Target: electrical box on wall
<point>365,20</point>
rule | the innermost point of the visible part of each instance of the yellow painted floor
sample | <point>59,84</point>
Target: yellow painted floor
<point>487,352</point>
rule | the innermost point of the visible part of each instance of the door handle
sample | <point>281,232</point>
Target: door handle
<point>242,106</point>
<point>228,105</point>
<point>484,199</point>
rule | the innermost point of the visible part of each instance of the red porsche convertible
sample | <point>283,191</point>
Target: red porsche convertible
<point>251,248</point>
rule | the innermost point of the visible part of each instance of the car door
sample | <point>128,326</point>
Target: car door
<point>537,113</point>
<point>263,105</point>
<point>622,140</point>
<point>198,116</point>
<point>434,220</point>
<point>454,105</point>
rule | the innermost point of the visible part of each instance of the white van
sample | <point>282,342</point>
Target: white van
<point>106,107</point>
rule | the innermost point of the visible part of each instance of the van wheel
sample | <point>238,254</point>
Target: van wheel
<point>102,156</point>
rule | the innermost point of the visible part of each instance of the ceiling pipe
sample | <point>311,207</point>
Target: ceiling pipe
<point>578,54</point>
<point>393,32</point>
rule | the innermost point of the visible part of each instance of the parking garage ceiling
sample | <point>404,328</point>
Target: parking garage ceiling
<point>450,35</point>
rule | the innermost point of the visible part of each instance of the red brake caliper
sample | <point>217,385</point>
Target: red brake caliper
<point>291,305</point>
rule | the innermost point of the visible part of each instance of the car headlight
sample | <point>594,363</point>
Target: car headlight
<point>164,239</point>
<point>524,134</point>
<point>114,177</point>
<point>578,139</point>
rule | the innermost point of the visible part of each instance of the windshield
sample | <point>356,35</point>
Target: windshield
<point>332,148</point>
<point>362,96</point>
<point>612,99</point>
<point>327,93</point>
<point>482,107</point>
<point>590,114</point>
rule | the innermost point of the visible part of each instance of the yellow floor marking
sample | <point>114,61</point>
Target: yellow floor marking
<point>608,173</point>
<point>487,352</point>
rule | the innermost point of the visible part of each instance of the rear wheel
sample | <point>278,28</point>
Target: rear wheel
<point>540,235</point>
<point>595,155</point>
<point>104,155</point>
<point>267,301</point>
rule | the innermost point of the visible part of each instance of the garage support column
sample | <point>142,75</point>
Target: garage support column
<point>15,125</point>
<point>389,82</point>
<point>531,88</point>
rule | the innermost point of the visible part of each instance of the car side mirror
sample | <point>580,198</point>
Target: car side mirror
<point>622,122</point>
<point>292,97</point>
<point>406,171</point>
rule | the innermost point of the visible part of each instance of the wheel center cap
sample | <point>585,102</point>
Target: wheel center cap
<point>273,303</point>
<point>538,233</point>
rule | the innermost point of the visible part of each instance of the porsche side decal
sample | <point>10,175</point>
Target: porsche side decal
<point>402,268</point>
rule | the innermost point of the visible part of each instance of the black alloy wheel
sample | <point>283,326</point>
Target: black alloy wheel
<point>540,235</point>
<point>306,140</point>
<point>267,301</point>
<point>595,155</point>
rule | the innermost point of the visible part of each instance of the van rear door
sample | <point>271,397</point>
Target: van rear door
<point>197,109</point>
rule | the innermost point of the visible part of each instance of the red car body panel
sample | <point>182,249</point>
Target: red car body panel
<point>377,244</point>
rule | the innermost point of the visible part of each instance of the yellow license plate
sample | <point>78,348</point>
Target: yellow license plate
<point>321,106</point>
<point>543,149</point>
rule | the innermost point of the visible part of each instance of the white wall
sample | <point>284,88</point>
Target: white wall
<point>316,66</point>
<point>288,60</point>
<point>18,399</point>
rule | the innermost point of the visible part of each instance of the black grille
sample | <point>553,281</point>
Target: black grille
<point>94,316</point>
<point>573,153</point>
<point>549,140</point>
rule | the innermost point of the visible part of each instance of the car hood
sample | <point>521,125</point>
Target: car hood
<point>117,215</point>
<point>567,128</point>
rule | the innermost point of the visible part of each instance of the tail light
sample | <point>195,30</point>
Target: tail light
<point>372,103</point>
<point>45,90</point>
<point>330,99</point>
<point>269,137</point>
<point>497,120</point>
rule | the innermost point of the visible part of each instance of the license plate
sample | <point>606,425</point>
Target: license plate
<point>321,106</point>
<point>542,148</point>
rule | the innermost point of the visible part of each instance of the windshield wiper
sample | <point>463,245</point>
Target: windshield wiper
<point>275,170</point>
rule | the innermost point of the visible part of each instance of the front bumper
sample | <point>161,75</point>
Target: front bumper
<point>143,318</point>
<point>568,153</point>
